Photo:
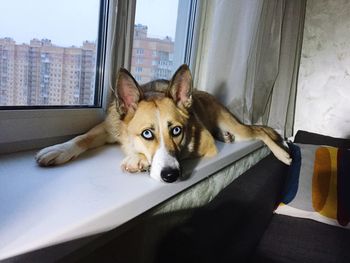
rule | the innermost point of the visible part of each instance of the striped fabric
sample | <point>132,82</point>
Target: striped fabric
<point>318,185</point>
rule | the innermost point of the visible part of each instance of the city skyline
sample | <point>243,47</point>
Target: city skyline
<point>40,73</point>
<point>50,40</point>
<point>43,73</point>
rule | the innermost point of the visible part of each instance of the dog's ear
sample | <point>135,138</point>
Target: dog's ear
<point>127,91</point>
<point>180,88</point>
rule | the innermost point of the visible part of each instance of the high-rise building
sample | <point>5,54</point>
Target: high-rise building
<point>152,58</point>
<point>87,77</point>
<point>41,73</point>
<point>7,71</point>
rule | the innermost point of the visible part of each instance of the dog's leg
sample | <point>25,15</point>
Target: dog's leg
<point>224,136</point>
<point>200,142</point>
<point>134,161</point>
<point>231,128</point>
<point>64,152</point>
<point>207,147</point>
<point>272,140</point>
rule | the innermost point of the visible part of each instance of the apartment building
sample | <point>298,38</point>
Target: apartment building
<point>41,73</point>
<point>152,58</point>
<point>7,71</point>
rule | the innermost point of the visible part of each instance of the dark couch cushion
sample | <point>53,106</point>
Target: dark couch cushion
<point>319,139</point>
<point>289,239</point>
<point>230,226</point>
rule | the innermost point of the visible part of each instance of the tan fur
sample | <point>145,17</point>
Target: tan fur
<point>160,106</point>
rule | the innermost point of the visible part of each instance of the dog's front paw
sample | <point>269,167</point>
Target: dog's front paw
<point>135,163</point>
<point>57,154</point>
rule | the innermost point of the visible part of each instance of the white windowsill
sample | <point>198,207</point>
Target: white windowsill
<point>40,207</point>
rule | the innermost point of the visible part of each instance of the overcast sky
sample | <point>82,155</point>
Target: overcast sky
<point>159,15</point>
<point>66,23</point>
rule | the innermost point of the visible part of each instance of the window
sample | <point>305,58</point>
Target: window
<point>139,51</point>
<point>164,36</point>
<point>62,88</point>
<point>52,68</point>
<point>40,36</point>
<point>138,78</point>
<point>139,60</point>
<point>154,38</point>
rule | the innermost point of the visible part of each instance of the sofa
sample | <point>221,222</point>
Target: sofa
<point>240,224</point>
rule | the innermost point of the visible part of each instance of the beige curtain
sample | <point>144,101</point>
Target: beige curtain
<point>119,43</point>
<point>250,58</point>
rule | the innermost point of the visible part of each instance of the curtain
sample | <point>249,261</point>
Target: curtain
<point>249,58</point>
<point>119,43</point>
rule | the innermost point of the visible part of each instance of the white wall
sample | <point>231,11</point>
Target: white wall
<point>323,100</point>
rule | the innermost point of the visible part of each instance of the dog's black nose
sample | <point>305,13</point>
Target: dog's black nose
<point>169,174</point>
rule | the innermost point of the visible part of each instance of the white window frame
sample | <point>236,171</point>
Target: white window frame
<point>187,34</point>
<point>36,128</point>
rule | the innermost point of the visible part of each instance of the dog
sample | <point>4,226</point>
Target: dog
<point>161,123</point>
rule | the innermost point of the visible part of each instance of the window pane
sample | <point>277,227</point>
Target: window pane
<point>48,52</point>
<point>154,37</point>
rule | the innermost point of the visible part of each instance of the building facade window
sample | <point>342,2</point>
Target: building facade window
<point>139,60</point>
<point>139,51</point>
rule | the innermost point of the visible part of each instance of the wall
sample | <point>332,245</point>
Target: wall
<point>323,100</point>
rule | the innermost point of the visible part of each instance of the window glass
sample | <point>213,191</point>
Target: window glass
<point>48,52</point>
<point>154,38</point>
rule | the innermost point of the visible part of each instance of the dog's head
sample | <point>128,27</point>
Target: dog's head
<point>157,125</point>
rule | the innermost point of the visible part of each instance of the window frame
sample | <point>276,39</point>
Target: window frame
<point>25,128</point>
<point>100,60</point>
<point>21,127</point>
<point>188,32</point>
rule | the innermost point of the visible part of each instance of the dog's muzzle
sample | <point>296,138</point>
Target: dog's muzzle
<point>170,175</point>
<point>165,167</point>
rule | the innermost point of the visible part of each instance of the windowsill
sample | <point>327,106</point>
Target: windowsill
<point>40,207</point>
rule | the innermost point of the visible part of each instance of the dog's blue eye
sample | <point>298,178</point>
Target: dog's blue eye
<point>176,131</point>
<point>147,134</point>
